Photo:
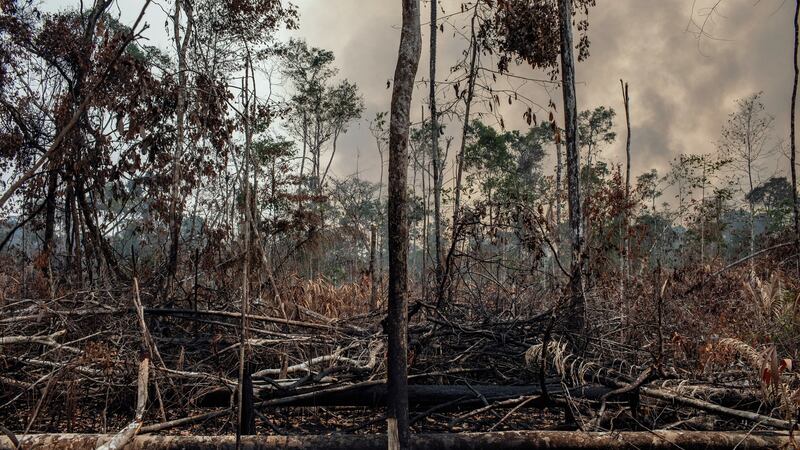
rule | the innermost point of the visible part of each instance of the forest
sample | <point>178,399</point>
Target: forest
<point>213,237</point>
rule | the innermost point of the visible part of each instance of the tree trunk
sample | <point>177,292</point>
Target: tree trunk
<point>448,268</point>
<point>373,274</point>
<point>577,301</point>
<point>703,217</point>
<point>793,137</point>
<point>50,215</point>
<point>625,254</point>
<point>559,183</point>
<point>245,417</point>
<point>436,157</point>
<point>751,208</point>
<point>397,322</point>
<point>175,213</point>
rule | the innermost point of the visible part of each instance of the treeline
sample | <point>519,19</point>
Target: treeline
<point>121,156</point>
<point>116,150</point>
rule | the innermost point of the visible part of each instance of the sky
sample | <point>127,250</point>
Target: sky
<point>681,88</point>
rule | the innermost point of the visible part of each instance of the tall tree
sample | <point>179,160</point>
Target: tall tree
<point>465,128</point>
<point>793,134</point>
<point>309,69</point>
<point>625,249</point>
<point>181,48</point>
<point>577,300</point>
<point>594,129</point>
<point>435,153</point>
<point>397,321</point>
<point>744,139</point>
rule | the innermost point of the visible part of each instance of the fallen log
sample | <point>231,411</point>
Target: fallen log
<point>190,313</point>
<point>591,371</point>
<point>709,407</point>
<point>419,395</point>
<point>508,440</point>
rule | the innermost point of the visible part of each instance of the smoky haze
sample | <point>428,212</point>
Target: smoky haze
<point>682,88</point>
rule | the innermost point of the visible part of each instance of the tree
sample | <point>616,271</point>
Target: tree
<point>436,157</point>
<point>577,299</point>
<point>793,134</point>
<point>594,129</point>
<point>83,72</point>
<point>775,195</point>
<point>309,69</point>
<point>647,186</point>
<point>744,140</point>
<point>507,165</point>
<point>344,106</point>
<point>692,172</point>
<point>397,320</point>
<point>321,111</point>
<point>625,243</point>
<point>181,48</point>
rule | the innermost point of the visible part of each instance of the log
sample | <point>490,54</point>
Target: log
<point>508,440</point>
<point>424,396</point>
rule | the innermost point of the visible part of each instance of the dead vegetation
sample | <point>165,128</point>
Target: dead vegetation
<point>666,360</point>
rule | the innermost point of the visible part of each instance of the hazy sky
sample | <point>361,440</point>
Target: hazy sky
<point>681,88</point>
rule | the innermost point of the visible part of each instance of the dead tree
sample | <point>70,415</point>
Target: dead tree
<point>577,301</point>
<point>397,322</point>
<point>181,47</point>
<point>792,142</point>
<point>444,283</point>
<point>373,274</point>
<point>625,244</point>
<point>436,157</point>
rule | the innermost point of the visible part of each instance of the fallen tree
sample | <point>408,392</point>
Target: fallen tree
<point>421,395</point>
<point>509,440</point>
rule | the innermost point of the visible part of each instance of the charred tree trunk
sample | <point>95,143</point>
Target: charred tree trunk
<point>50,215</point>
<point>245,419</point>
<point>175,213</point>
<point>95,236</point>
<point>793,137</point>
<point>373,274</point>
<point>436,157</point>
<point>625,244</point>
<point>397,323</point>
<point>577,301</point>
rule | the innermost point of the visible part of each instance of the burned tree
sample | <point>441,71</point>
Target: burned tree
<point>577,300</point>
<point>397,323</point>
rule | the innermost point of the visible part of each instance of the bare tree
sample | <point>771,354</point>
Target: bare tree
<point>792,143</point>
<point>397,321</point>
<point>181,47</point>
<point>625,244</point>
<point>744,140</point>
<point>471,78</point>
<point>436,157</point>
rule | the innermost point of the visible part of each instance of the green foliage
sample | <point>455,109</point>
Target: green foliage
<point>775,196</point>
<point>647,184</point>
<point>506,165</point>
<point>594,128</point>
